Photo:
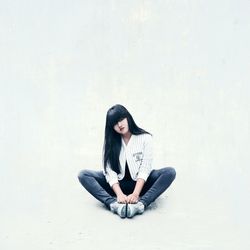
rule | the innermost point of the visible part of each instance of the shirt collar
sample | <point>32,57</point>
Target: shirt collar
<point>129,142</point>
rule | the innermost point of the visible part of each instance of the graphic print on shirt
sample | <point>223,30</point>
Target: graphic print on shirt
<point>138,157</point>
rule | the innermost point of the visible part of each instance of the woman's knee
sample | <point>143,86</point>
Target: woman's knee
<point>82,174</point>
<point>170,172</point>
<point>87,174</point>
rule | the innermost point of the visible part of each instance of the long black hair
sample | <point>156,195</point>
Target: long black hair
<point>112,140</point>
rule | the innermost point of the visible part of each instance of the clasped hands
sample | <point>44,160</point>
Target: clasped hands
<point>131,198</point>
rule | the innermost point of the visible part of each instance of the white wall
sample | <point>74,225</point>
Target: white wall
<point>180,67</point>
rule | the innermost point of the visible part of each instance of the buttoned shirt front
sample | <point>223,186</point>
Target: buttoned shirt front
<point>139,155</point>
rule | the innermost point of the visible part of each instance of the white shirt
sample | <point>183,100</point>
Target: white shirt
<point>139,155</point>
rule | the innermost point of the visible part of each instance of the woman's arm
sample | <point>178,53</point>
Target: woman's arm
<point>147,160</point>
<point>112,179</point>
<point>121,197</point>
<point>134,197</point>
<point>144,171</point>
<point>110,175</point>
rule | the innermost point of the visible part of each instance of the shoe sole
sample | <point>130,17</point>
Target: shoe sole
<point>123,213</point>
<point>132,215</point>
<point>128,212</point>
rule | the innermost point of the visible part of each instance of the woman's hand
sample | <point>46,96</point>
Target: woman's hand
<point>121,198</point>
<point>132,198</point>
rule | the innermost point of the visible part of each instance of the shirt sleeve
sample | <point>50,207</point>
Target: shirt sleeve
<point>147,160</point>
<point>110,175</point>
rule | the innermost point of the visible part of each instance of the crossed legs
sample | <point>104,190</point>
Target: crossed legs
<point>158,181</point>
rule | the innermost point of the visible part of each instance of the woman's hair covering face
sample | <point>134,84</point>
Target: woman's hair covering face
<point>112,140</point>
<point>115,114</point>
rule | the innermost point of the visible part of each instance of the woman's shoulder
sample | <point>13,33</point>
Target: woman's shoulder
<point>144,136</point>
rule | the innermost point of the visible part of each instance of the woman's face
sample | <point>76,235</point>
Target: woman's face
<point>121,127</point>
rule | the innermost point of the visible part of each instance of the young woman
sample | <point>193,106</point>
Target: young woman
<point>127,185</point>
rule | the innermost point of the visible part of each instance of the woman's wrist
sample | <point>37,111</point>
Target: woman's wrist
<point>119,193</point>
<point>117,189</point>
<point>136,193</point>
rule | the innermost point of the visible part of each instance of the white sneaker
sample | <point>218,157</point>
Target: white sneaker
<point>119,208</point>
<point>134,209</point>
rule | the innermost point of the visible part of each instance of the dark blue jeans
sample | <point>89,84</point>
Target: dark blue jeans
<point>158,181</point>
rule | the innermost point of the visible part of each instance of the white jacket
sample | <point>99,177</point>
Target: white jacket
<point>139,155</point>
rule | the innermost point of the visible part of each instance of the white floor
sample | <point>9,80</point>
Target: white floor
<point>187,216</point>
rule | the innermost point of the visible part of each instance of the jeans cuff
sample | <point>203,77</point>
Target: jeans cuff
<point>144,203</point>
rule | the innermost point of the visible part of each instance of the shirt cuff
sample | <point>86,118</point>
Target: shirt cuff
<point>113,181</point>
<point>143,176</point>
